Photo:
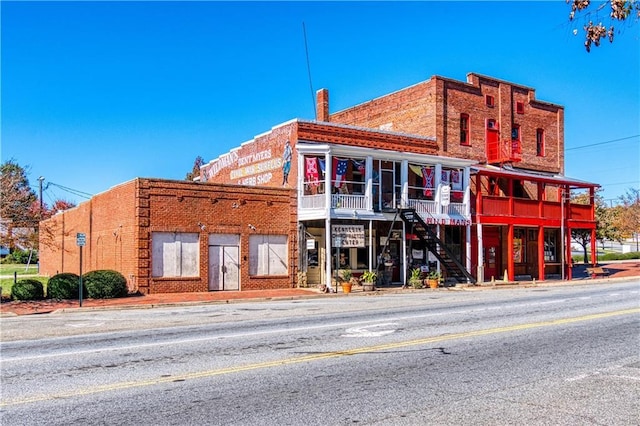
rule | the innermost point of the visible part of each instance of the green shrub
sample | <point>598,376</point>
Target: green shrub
<point>21,257</point>
<point>620,256</point>
<point>104,284</point>
<point>63,286</point>
<point>27,289</point>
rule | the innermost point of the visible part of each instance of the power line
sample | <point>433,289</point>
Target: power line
<point>72,191</point>
<point>306,50</point>
<point>601,143</point>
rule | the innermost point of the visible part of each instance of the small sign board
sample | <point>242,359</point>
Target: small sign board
<point>311,244</point>
<point>445,195</point>
<point>347,235</point>
<point>81,239</point>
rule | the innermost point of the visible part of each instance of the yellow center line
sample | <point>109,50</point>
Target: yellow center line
<point>311,358</point>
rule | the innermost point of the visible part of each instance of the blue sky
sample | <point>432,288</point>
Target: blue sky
<point>98,93</point>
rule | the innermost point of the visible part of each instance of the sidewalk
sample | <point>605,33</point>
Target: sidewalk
<point>618,269</point>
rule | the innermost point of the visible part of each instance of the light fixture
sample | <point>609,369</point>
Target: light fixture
<point>202,226</point>
<point>253,228</point>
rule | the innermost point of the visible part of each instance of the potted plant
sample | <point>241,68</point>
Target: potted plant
<point>344,277</point>
<point>434,279</point>
<point>368,280</point>
<point>415,279</point>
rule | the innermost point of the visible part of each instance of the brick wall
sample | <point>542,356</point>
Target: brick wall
<point>119,224</point>
<point>432,108</point>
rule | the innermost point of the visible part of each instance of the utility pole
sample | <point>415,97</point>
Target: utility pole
<point>40,179</point>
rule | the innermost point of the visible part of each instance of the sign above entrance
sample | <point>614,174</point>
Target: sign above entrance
<point>347,235</point>
<point>447,221</point>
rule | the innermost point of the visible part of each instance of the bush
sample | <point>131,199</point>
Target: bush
<point>63,286</point>
<point>21,257</point>
<point>105,284</point>
<point>27,289</point>
<point>620,256</point>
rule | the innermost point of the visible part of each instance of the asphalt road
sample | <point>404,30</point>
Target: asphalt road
<point>555,355</point>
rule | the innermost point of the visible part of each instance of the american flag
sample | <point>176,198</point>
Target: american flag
<point>340,170</point>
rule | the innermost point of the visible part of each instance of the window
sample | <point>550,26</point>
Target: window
<point>490,101</point>
<point>515,139</point>
<point>268,255</point>
<point>550,245</point>
<point>464,129</point>
<point>175,254</point>
<point>540,142</point>
<point>520,107</point>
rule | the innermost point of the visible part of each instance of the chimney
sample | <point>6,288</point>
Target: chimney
<point>322,105</point>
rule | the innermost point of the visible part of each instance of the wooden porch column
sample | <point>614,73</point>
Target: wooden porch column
<point>511,269</point>
<point>566,200</point>
<point>511,202</point>
<point>541,253</point>
<point>594,250</point>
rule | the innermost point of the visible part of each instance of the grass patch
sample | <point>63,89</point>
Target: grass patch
<point>7,285</point>
<point>8,270</point>
<point>11,268</point>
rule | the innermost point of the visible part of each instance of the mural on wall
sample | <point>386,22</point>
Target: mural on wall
<point>286,162</point>
<point>256,163</point>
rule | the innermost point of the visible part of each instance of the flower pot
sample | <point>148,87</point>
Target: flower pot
<point>433,283</point>
<point>346,287</point>
<point>367,286</point>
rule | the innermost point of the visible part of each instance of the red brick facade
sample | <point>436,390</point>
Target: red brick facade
<point>433,108</point>
<point>119,225</point>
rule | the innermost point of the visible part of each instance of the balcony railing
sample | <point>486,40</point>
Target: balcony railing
<point>349,201</point>
<point>500,206</point>
<point>504,151</point>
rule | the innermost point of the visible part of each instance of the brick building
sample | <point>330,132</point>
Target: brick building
<point>166,236</point>
<point>462,177</point>
<point>521,210</point>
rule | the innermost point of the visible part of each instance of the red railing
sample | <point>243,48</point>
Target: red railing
<point>499,206</point>
<point>525,208</point>
<point>495,206</point>
<point>580,212</point>
<point>504,151</point>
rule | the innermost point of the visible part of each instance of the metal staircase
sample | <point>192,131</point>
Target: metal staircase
<point>435,245</point>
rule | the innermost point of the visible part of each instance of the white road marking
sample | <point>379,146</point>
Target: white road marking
<point>366,331</point>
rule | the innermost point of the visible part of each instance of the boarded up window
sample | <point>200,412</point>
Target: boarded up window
<point>268,255</point>
<point>175,254</point>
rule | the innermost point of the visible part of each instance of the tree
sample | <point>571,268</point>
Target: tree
<point>19,209</point>
<point>607,224</point>
<point>628,217</point>
<point>605,227</point>
<point>195,171</point>
<point>619,11</point>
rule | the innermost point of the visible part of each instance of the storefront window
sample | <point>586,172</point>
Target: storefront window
<point>550,246</point>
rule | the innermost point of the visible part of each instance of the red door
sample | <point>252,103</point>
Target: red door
<point>491,253</point>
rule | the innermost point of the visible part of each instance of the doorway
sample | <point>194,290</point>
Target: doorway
<point>491,252</point>
<point>224,262</point>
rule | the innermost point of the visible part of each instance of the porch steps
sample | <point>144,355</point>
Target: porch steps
<point>454,269</point>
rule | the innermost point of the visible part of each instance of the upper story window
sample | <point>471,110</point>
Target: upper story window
<point>515,139</point>
<point>540,142</point>
<point>464,129</point>
<point>490,100</point>
<point>520,107</point>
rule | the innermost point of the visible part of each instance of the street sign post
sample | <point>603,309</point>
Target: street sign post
<point>81,240</point>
